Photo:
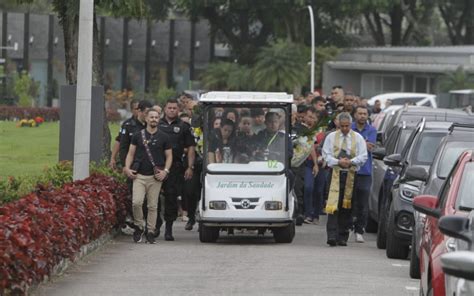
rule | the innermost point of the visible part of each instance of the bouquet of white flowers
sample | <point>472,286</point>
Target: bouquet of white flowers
<point>302,146</point>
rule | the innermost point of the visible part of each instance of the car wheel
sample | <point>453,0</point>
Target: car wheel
<point>371,225</point>
<point>382,230</point>
<point>395,248</point>
<point>285,234</point>
<point>414,261</point>
<point>208,234</point>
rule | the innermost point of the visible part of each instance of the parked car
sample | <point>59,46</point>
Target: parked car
<point>419,151</point>
<point>383,177</point>
<point>397,129</point>
<point>455,198</point>
<point>458,266</point>
<point>413,114</point>
<point>381,120</point>
<point>418,99</point>
<point>460,138</point>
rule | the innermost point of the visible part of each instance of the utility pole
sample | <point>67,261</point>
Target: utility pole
<point>84,91</point>
<point>311,17</point>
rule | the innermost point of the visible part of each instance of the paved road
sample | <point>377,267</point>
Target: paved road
<point>240,265</point>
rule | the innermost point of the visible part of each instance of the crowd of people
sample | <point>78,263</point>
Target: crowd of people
<point>161,152</point>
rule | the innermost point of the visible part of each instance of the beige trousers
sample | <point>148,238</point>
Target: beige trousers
<point>149,187</point>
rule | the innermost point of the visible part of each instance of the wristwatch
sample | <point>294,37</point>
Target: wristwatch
<point>167,171</point>
<point>191,167</point>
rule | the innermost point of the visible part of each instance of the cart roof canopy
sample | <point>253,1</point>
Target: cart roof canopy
<point>246,97</point>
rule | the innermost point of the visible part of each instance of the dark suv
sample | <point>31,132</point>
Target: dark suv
<point>420,152</point>
<point>383,176</point>
<point>459,139</point>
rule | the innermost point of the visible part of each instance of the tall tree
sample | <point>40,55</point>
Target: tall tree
<point>458,15</point>
<point>68,14</point>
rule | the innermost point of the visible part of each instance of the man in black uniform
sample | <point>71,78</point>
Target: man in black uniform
<point>179,133</point>
<point>130,127</point>
<point>115,150</point>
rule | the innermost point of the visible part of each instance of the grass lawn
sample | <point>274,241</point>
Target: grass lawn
<point>27,151</point>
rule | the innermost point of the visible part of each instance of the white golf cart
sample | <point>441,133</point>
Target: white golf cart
<point>246,180</point>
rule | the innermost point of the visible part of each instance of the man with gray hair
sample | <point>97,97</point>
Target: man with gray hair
<point>345,151</point>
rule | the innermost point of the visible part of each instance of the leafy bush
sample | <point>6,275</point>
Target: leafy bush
<point>164,94</point>
<point>25,88</point>
<point>44,227</point>
<point>13,188</point>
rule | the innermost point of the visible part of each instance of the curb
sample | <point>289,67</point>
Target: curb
<point>65,263</point>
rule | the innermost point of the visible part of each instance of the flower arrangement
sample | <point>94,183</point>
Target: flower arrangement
<point>302,146</point>
<point>197,131</point>
<point>37,121</point>
<point>27,123</point>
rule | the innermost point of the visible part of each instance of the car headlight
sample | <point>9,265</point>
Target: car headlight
<point>408,191</point>
<point>218,205</point>
<point>273,205</point>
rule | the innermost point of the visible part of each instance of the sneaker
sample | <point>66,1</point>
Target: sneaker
<point>138,235</point>
<point>359,238</point>
<point>150,237</point>
<point>308,220</point>
<point>316,221</point>
<point>332,242</point>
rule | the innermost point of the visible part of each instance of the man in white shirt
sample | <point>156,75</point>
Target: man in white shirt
<point>345,151</point>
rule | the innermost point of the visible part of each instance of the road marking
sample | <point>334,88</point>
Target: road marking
<point>399,265</point>
<point>412,288</point>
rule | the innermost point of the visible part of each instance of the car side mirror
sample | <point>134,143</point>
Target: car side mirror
<point>416,173</point>
<point>393,160</point>
<point>456,226</point>
<point>427,204</point>
<point>459,264</point>
<point>378,153</point>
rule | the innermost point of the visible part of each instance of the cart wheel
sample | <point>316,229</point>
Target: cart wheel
<point>285,234</point>
<point>208,234</point>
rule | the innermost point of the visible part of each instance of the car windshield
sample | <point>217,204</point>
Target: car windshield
<point>465,198</point>
<point>450,154</point>
<point>425,150</point>
<point>403,101</point>
<point>245,139</point>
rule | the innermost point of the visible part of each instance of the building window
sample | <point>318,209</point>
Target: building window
<point>375,84</point>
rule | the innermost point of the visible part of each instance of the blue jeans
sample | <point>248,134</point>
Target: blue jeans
<point>318,191</point>
<point>360,202</point>
<point>308,189</point>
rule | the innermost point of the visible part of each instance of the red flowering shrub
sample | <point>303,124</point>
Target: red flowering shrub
<point>14,112</point>
<point>40,229</point>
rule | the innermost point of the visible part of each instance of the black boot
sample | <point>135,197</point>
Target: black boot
<point>190,224</point>
<point>169,231</point>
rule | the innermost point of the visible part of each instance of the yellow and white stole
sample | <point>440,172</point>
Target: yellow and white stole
<point>333,198</point>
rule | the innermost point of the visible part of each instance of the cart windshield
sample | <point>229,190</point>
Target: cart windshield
<point>252,139</point>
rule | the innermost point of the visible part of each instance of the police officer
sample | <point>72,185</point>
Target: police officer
<point>179,133</point>
<point>130,127</point>
<point>115,149</point>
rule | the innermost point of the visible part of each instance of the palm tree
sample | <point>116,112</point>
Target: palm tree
<point>226,76</point>
<point>281,66</point>
<point>459,79</point>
